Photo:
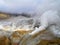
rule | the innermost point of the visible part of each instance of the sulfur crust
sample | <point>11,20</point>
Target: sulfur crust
<point>4,16</point>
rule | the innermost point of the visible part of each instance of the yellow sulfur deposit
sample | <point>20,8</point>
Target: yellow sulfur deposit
<point>4,16</point>
<point>4,40</point>
<point>21,37</point>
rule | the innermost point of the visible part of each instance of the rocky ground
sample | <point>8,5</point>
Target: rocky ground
<point>21,37</point>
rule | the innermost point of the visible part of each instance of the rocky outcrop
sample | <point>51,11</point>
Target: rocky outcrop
<point>16,32</point>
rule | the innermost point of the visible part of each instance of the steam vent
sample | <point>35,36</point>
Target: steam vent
<point>16,32</point>
<point>29,22</point>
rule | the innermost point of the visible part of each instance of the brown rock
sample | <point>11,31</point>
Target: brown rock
<point>4,40</point>
<point>16,36</point>
<point>4,16</point>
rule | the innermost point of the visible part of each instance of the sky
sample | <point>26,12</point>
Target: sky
<point>28,6</point>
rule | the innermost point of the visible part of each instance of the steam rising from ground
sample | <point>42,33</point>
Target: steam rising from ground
<point>34,7</point>
<point>29,6</point>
